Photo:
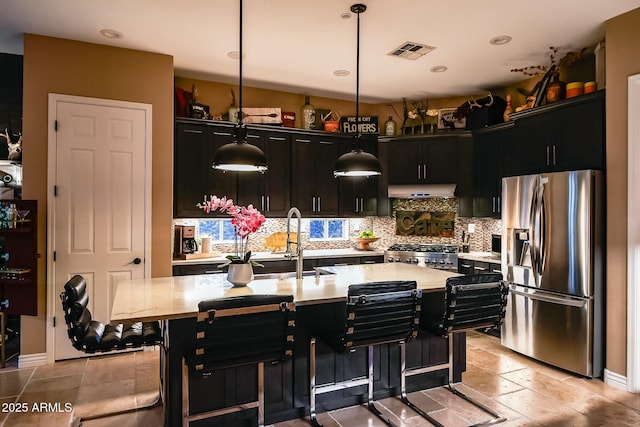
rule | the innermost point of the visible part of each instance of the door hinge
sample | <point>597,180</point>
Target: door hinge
<point>54,256</point>
<point>55,125</point>
<point>55,191</point>
<point>54,321</point>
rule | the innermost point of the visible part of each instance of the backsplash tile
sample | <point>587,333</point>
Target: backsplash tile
<point>383,227</point>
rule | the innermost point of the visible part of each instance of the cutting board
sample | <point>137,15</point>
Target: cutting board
<point>277,242</point>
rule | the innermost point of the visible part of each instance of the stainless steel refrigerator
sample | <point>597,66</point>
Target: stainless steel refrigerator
<point>552,256</point>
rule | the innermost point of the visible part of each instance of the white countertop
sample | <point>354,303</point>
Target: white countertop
<point>270,256</point>
<point>178,296</point>
<point>480,256</point>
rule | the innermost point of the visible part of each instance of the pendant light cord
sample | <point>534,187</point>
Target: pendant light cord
<point>240,72</point>
<point>358,77</point>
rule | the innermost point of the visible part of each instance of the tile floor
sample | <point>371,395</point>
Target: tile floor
<point>527,393</point>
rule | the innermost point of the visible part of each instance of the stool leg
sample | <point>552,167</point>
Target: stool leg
<point>403,388</point>
<point>185,395</point>
<point>2,339</point>
<point>372,407</point>
<point>261,394</point>
<point>312,383</point>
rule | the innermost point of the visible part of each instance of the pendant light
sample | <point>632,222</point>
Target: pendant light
<point>239,155</point>
<point>357,162</point>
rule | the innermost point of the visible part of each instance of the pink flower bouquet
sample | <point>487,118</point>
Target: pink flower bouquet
<point>246,220</point>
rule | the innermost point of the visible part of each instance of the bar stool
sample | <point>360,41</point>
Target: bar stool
<point>91,336</point>
<point>471,302</point>
<point>376,313</point>
<point>237,331</point>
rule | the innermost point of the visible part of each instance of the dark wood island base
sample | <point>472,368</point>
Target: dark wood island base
<point>287,383</point>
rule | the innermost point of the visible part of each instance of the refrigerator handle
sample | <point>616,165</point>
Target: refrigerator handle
<point>542,238</point>
<point>533,237</point>
<point>539,296</point>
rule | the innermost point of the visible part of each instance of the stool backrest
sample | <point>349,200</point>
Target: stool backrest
<point>381,312</point>
<point>242,330</point>
<point>76,314</point>
<point>474,301</point>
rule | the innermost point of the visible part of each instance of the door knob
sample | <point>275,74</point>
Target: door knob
<point>136,261</point>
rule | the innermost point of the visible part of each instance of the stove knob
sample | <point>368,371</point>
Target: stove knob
<point>408,260</point>
<point>441,261</point>
<point>390,259</point>
<point>415,260</point>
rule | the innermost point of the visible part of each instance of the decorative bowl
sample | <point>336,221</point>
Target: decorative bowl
<point>364,242</point>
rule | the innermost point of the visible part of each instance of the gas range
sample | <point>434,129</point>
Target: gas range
<point>439,256</point>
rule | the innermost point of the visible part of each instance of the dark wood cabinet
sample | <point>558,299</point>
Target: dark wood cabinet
<point>568,135</point>
<point>194,178</point>
<point>19,259</point>
<point>314,189</point>
<point>468,266</point>
<point>490,146</point>
<point>359,195</point>
<point>424,159</point>
<point>268,192</point>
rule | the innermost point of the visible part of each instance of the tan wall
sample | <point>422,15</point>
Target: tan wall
<point>67,67</point>
<point>622,61</point>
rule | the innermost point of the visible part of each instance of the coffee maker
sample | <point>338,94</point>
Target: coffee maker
<point>184,240</point>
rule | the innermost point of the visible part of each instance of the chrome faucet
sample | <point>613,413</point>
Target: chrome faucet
<point>298,252</point>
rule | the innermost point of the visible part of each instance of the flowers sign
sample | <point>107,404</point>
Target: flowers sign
<point>246,220</point>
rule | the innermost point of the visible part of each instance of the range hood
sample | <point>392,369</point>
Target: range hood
<point>421,191</point>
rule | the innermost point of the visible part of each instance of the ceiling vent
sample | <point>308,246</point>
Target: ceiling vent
<point>411,50</point>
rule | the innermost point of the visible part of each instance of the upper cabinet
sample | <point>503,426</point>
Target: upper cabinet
<point>568,135</point>
<point>193,177</point>
<point>314,189</point>
<point>268,192</point>
<point>424,159</point>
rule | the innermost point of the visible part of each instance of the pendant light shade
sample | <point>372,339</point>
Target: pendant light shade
<point>239,155</point>
<point>357,162</point>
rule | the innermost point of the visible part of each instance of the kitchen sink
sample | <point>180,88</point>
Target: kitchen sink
<point>287,275</point>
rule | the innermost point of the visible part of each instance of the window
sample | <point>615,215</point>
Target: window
<point>219,230</point>
<point>328,229</point>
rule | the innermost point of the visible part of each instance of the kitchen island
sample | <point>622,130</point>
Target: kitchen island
<point>317,298</point>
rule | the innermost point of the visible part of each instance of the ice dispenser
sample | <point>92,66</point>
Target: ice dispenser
<point>519,257</point>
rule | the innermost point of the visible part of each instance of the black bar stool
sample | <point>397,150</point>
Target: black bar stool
<point>237,331</point>
<point>471,302</point>
<point>376,313</point>
<point>91,336</point>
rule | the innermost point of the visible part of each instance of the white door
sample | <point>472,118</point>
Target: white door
<point>99,202</point>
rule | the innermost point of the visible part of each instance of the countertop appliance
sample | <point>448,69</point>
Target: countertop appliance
<point>439,256</point>
<point>552,256</point>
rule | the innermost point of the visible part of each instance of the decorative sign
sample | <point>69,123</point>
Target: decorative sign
<point>418,223</point>
<point>366,125</point>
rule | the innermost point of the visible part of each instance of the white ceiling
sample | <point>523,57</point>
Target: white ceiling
<point>296,45</point>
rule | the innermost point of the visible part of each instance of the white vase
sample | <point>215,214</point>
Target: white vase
<point>240,274</point>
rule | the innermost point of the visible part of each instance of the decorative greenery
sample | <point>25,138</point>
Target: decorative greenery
<point>565,61</point>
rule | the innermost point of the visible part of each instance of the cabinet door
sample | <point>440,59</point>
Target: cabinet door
<point>465,266</point>
<point>405,161</point>
<point>268,192</point>
<point>303,174</point>
<point>534,145</point>
<point>314,189</point>
<point>358,195</point>
<point>579,140</point>
<point>489,152</point>
<point>191,163</point>
<point>326,185</point>
<point>440,161</point>
<point>220,183</point>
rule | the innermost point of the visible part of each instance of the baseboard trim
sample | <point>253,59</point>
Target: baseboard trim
<point>31,360</point>
<point>615,380</point>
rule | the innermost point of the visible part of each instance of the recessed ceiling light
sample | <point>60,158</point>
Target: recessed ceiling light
<point>439,69</point>
<point>345,15</point>
<point>498,40</point>
<point>341,73</point>
<point>234,54</point>
<point>111,34</point>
